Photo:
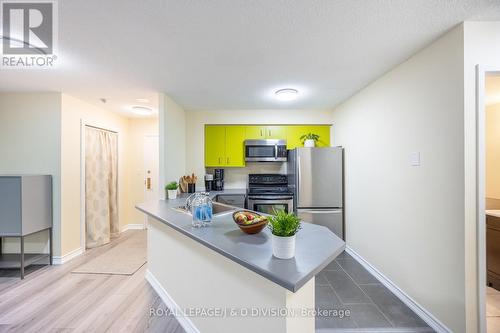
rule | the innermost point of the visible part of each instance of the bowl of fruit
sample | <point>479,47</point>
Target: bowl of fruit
<point>249,222</point>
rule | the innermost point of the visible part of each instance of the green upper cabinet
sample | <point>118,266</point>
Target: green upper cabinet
<point>265,132</point>
<point>276,132</point>
<point>255,132</point>
<point>225,145</point>
<point>321,130</point>
<point>294,132</point>
<point>215,145</point>
<point>324,135</point>
<point>235,146</point>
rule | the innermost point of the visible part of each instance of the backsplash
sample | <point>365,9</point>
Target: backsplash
<point>238,177</point>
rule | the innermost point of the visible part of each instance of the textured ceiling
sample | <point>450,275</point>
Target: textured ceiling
<point>232,54</point>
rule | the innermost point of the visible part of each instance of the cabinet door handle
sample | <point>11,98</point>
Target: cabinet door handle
<point>219,160</point>
<point>261,132</point>
<point>227,159</point>
<point>269,132</point>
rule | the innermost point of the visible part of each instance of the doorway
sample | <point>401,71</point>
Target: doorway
<point>492,200</point>
<point>488,204</point>
<point>151,169</point>
<point>99,189</point>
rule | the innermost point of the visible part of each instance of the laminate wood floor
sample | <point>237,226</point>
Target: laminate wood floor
<point>52,299</point>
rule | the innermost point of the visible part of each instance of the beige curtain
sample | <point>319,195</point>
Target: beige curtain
<point>101,200</point>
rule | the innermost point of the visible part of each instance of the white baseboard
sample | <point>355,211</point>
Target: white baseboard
<point>432,321</point>
<point>139,226</point>
<point>59,260</point>
<point>184,321</point>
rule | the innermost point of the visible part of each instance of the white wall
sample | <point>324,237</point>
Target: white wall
<point>30,141</point>
<point>482,47</point>
<point>408,221</point>
<point>237,177</point>
<point>172,141</point>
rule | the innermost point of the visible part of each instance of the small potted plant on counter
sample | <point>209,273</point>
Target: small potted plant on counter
<point>309,140</point>
<point>172,190</point>
<point>284,227</point>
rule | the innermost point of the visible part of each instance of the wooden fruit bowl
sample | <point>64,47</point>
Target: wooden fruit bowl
<point>251,228</point>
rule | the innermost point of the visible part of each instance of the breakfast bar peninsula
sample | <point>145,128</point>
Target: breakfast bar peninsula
<point>219,279</point>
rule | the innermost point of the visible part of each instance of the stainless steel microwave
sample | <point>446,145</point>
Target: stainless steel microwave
<point>265,150</point>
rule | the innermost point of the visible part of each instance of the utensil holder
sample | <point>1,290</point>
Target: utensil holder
<point>191,188</point>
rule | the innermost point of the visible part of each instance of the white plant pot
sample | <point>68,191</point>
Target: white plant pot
<point>172,194</point>
<point>283,247</point>
<point>309,143</point>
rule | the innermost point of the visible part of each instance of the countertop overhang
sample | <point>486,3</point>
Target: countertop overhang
<point>316,246</point>
<point>493,212</point>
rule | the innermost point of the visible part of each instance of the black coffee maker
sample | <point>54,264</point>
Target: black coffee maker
<point>209,182</point>
<point>219,179</point>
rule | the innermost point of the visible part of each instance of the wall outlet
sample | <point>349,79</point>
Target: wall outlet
<point>415,158</point>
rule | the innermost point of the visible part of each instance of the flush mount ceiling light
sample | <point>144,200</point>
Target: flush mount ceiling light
<point>142,110</point>
<point>287,94</point>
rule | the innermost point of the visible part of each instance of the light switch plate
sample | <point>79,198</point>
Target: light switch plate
<point>415,158</point>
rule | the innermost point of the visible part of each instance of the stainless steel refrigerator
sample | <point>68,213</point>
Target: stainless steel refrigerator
<point>316,177</point>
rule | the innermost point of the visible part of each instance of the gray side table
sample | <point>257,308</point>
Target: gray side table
<point>25,209</point>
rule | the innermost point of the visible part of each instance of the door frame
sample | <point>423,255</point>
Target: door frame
<point>481,73</point>
<point>83,124</point>
<point>144,170</point>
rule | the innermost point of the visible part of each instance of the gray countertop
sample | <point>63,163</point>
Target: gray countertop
<point>493,212</point>
<point>316,246</point>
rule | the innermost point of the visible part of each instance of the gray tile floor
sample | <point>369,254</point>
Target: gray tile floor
<point>346,285</point>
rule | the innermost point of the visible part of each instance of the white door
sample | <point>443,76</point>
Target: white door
<point>151,168</point>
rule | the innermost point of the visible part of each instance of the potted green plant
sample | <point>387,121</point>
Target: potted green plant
<point>284,227</point>
<point>172,190</point>
<point>309,140</point>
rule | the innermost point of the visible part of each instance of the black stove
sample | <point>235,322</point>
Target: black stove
<point>268,184</point>
<point>268,193</point>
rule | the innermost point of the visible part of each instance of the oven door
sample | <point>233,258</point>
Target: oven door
<point>270,204</point>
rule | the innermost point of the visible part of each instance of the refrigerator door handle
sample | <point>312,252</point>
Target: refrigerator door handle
<point>320,211</point>
<point>297,183</point>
